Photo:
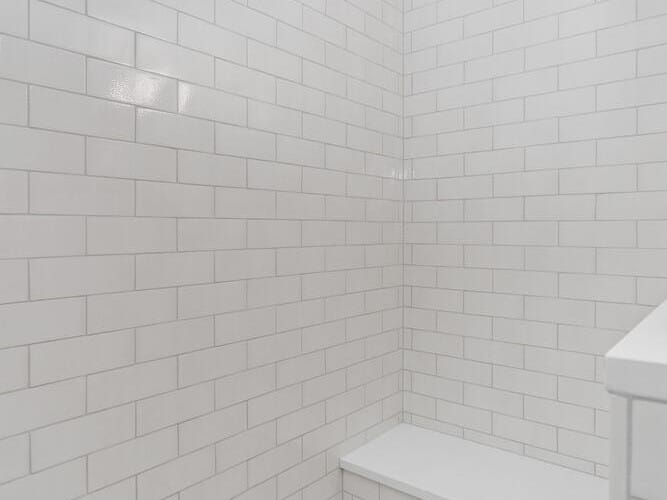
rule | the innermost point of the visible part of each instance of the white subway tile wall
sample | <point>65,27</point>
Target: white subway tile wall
<point>535,207</point>
<point>241,237</point>
<point>200,245</point>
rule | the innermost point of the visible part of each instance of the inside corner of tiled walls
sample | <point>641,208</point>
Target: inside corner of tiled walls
<point>239,238</point>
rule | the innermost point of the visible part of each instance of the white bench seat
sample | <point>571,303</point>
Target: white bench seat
<point>434,466</point>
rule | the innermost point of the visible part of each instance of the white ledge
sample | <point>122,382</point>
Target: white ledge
<point>434,466</point>
<point>637,365</point>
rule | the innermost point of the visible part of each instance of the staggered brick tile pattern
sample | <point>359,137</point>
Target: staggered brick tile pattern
<point>200,245</point>
<point>238,238</point>
<point>536,213</point>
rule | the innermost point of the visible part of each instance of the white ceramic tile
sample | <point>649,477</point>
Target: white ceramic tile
<point>324,27</point>
<point>492,19</point>
<point>130,235</point>
<point>142,16</point>
<point>14,103</point>
<point>243,81</point>
<point>158,271</point>
<point>161,340</point>
<point>213,427</point>
<point>299,42</point>
<point>29,149</point>
<point>14,17</point>
<point>120,83</point>
<point>123,310</point>
<point>166,409</point>
<point>211,364</point>
<point>322,78</point>
<point>173,60</point>
<point>77,5</point>
<point>239,141</point>
<point>201,168</point>
<point>211,234</point>
<point>110,158</point>
<point>13,192</point>
<point>62,111</point>
<point>203,300</point>
<point>61,442</point>
<point>275,119</point>
<point>57,402</point>
<point>643,33</point>
<point>70,276</point>
<point>41,236</point>
<point>275,62</point>
<point>231,481</point>
<point>246,21</point>
<point>15,457</point>
<point>201,8</point>
<point>127,459</point>
<point>79,33</point>
<point>166,129</point>
<point>68,194</point>
<point>60,482</point>
<point>36,63</point>
<point>119,386</point>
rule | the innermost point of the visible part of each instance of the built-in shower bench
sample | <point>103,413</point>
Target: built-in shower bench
<point>409,461</point>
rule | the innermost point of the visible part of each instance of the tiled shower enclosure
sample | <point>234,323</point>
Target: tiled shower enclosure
<point>239,238</point>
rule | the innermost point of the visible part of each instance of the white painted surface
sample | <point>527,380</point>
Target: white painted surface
<point>619,448</point>
<point>649,450</point>
<point>637,371</point>
<point>435,466</point>
<point>637,365</point>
